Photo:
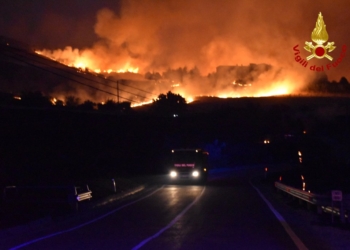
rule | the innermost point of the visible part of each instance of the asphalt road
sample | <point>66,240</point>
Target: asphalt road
<point>227,213</point>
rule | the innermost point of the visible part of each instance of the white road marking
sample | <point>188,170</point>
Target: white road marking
<point>286,226</point>
<point>142,243</point>
<point>84,224</point>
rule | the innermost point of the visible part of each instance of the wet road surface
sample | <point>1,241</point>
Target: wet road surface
<point>227,213</point>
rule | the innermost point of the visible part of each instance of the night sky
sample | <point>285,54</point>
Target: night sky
<point>155,35</point>
<point>52,24</point>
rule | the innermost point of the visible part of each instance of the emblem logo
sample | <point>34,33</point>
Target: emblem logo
<point>319,35</point>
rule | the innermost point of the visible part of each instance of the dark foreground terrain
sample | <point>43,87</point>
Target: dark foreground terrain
<point>236,209</point>
<point>55,146</point>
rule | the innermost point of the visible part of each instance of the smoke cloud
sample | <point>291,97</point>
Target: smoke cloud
<point>155,36</point>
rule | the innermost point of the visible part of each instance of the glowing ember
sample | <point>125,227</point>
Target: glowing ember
<point>54,101</point>
<point>189,99</point>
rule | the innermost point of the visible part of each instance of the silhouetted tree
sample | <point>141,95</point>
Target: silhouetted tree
<point>169,104</point>
<point>87,105</point>
<point>321,84</point>
<point>35,99</point>
<point>344,85</point>
<point>72,101</point>
<point>125,106</point>
<point>111,105</point>
<point>59,103</point>
<point>344,81</point>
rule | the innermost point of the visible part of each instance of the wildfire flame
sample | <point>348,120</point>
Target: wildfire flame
<point>187,88</point>
<point>53,101</point>
<point>162,36</point>
<point>75,58</point>
<point>140,104</point>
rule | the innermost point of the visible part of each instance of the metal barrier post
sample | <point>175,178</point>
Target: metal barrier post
<point>342,212</point>
<point>72,200</point>
<point>114,186</point>
<point>332,212</point>
<point>333,203</point>
<point>337,196</point>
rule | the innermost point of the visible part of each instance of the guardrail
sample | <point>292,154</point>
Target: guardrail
<point>46,194</point>
<point>323,203</point>
<point>83,194</point>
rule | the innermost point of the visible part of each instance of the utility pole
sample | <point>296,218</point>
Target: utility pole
<point>118,90</point>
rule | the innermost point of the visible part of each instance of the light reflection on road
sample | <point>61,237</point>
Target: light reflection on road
<point>190,196</point>
<point>176,193</point>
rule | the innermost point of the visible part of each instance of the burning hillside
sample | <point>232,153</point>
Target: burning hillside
<point>252,80</point>
<point>174,51</point>
<point>196,48</point>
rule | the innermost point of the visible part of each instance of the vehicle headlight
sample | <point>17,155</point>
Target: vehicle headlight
<point>173,174</point>
<point>195,173</point>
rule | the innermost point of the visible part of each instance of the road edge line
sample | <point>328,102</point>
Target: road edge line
<point>297,241</point>
<point>83,224</point>
<point>142,243</point>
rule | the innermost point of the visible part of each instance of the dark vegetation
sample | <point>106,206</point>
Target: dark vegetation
<point>44,140</point>
<point>322,85</point>
<point>42,143</point>
<point>46,144</point>
<point>37,100</point>
<point>169,104</point>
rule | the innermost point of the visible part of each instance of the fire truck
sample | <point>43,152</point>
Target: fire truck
<point>189,164</point>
